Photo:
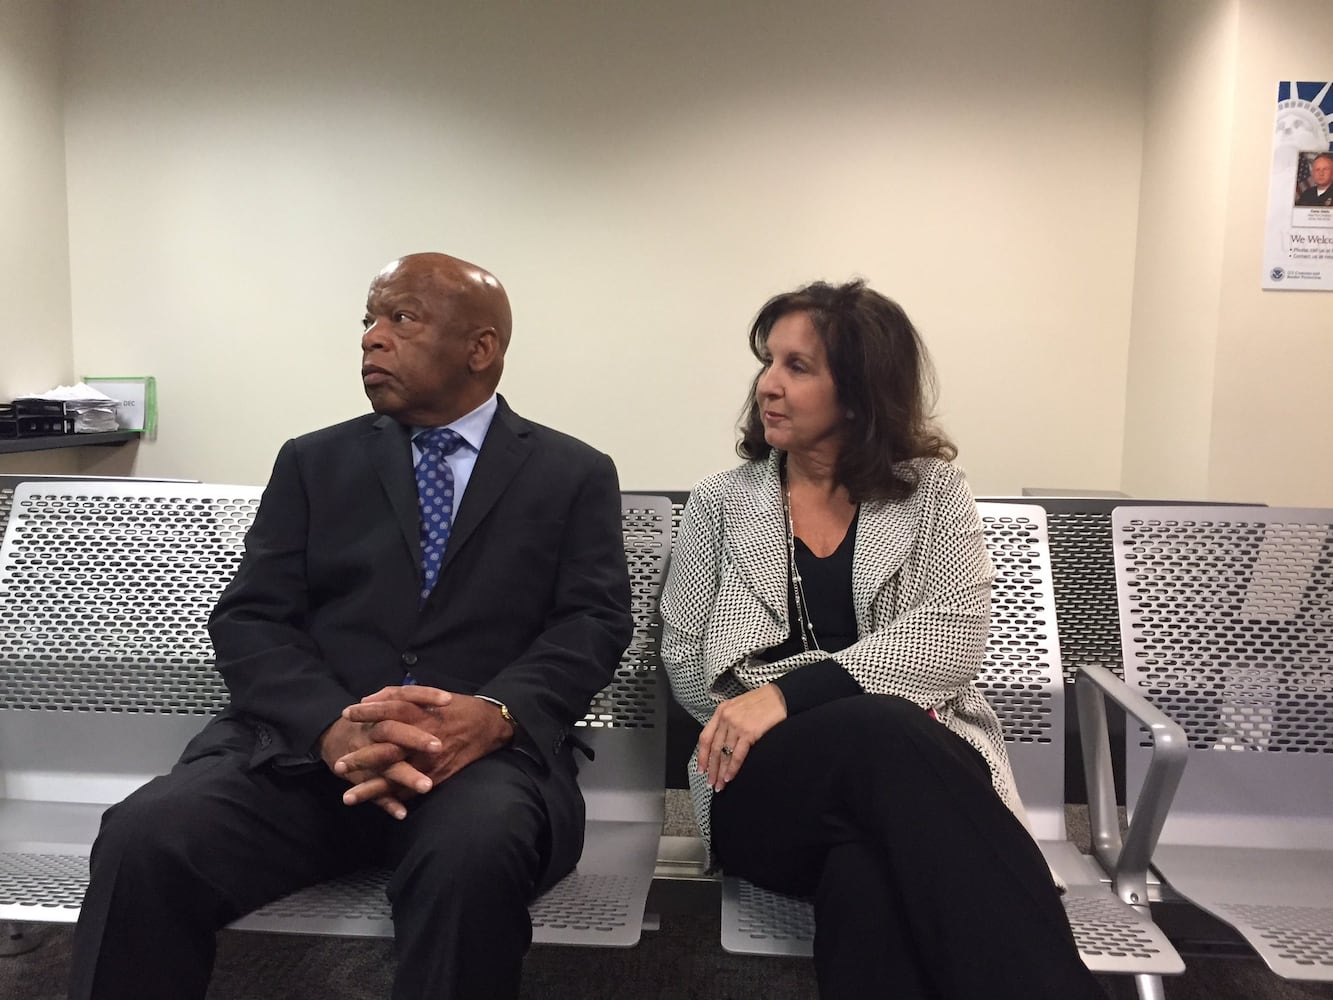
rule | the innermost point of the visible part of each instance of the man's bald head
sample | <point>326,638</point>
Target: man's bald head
<point>437,329</point>
<point>475,292</point>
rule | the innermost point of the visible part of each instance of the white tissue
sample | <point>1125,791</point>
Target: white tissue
<point>79,393</point>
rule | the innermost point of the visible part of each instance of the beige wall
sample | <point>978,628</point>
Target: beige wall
<point>35,349</point>
<point>1177,281</point>
<point>642,177</point>
<point>1228,394</point>
<point>1272,401</point>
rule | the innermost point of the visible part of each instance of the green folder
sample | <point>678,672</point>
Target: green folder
<point>138,397</point>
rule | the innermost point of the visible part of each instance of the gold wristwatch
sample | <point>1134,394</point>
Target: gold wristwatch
<point>504,711</point>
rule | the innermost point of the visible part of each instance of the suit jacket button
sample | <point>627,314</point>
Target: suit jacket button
<point>559,742</point>
<point>410,659</point>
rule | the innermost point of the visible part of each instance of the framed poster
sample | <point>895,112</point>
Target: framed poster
<point>1298,239</point>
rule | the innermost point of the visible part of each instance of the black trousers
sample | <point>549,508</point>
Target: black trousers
<point>925,885</point>
<point>199,847</point>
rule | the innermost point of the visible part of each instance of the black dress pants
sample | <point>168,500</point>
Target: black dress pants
<point>197,848</point>
<point>925,885</point>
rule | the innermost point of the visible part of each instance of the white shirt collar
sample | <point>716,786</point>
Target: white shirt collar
<point>472,427</point>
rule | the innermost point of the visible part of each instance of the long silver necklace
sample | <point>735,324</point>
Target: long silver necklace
<point>802,612</point>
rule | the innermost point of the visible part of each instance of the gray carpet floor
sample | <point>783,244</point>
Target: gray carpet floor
<point>680,961</point>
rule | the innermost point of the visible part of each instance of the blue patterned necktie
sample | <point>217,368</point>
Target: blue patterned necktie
<point>435,497</point>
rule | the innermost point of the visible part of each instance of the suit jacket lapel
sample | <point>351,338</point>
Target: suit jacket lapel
<point>390,447</point>
<point>506,448</point>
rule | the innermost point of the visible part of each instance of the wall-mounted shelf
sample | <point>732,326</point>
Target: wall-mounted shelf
<point>11,445</point>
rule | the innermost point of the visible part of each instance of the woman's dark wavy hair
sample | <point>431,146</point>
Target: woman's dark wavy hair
<point>883,376</point>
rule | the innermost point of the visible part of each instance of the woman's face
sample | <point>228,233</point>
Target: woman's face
<point>798,401</point>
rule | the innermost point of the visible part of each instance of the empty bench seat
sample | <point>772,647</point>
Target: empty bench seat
<point>1226,616</point>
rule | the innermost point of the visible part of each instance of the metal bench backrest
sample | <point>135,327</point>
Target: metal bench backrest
<point>9,483</point>
<point>105,591</point>
<point>1083,566</point>
<point>1227,621</point>
<point>626,723</point>
<point>1083,569</point>
<point>106,668</point>
<point>1021,674</point>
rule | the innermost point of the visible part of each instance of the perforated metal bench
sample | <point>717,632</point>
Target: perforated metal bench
<point>1083,570</point>
<point>106,671</point>
<point>1078,531</point>
<point>1022,679</point>
<point>1226,616</point>
<point>9,483</point>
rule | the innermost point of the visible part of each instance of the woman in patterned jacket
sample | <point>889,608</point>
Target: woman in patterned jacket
<point>825,617</point>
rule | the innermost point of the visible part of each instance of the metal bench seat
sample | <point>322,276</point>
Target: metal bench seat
<point>106,671</point>
<point>1022,679</point>
<point>1226,616</point>
<point>1111,936</point>
<point>600,902</point>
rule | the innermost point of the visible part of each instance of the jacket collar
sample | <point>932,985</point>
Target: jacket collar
<point>507,446</point>
<point>755,529</point>
<point>885,535</point>
<point>390,446</point>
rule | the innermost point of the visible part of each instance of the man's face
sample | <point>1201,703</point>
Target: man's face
<point>414,355</point>
<point>1322,172</point>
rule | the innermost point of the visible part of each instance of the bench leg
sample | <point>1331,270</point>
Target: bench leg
<point>1150,987</point>
<point>19,939</point>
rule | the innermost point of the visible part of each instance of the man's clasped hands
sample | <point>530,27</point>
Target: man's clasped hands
<point>401,742</point>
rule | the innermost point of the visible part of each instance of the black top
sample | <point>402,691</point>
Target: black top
<point>826,584</point>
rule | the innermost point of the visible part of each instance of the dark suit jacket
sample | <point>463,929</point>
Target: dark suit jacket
<point>531,606</point>
<point>1310,196</point>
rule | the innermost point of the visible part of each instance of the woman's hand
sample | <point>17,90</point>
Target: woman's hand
<point>736,726</point>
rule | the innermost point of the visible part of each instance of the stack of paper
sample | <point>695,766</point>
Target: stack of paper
<point>92,411</point>
<point>138,400</point>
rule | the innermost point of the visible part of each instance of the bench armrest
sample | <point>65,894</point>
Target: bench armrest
<point>1127,862</point>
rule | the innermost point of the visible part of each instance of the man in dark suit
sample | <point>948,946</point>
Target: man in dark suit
<point>1320,191</point>
<point>419,619</point>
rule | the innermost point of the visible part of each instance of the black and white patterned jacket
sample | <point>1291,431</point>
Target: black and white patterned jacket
<point>921,580</point>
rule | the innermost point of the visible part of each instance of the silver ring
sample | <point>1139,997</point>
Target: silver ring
<point>727,751</point>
